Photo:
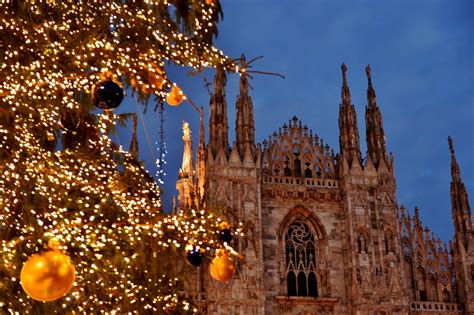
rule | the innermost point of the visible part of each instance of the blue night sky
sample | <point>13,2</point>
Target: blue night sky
<point>422,69</point>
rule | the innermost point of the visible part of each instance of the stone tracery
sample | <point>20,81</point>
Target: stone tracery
<point>295,152</point>
<point>301,260</point>
<point>427,259</point>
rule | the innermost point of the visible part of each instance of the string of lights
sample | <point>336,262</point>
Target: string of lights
<point>65,187</point>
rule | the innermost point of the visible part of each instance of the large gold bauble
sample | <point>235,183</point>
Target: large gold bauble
<point>222,268</point>
<point>175,97</point>
<point>47,276</point>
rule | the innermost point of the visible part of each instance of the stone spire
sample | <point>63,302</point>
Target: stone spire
<point>134,143</point>
<point>187,168</point>
<point>375,135</point>
<point>462,218</point>
<point>244,124</point>
<point>184,185</point>
<point>218,123</point>
<point>200,158</point>
<point>348,131</point>
<point>463,252</point>
<point>345,93</point>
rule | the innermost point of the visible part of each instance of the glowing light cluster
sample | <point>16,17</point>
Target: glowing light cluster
<point>66,46</point>
<point>61,176</point>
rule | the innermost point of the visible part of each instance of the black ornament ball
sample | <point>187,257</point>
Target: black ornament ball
<point>194,257</point>
<point>107,95</point>
<point>225,236</point>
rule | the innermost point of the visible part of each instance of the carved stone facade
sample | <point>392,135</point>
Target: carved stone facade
<point>326,233</point>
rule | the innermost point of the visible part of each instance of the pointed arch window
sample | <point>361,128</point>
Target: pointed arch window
<point>297,167</point>
<point>318,172</point>
<point>287,169</point>
<point>388,242</point>
<point>307,167</point>
<point>300,260</point>
<point>296,162</point>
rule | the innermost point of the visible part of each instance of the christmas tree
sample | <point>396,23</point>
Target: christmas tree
<point>80,218</point>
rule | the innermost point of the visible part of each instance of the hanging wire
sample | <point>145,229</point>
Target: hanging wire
<point>147,136</point>
<point>198,109</point>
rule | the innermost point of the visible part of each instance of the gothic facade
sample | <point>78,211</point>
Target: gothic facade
<point>326,235</point>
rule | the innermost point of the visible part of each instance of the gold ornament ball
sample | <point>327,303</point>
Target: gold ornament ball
<point>222,268</point>
<point>175,97</point>
<point>224,225</point>
<point>47,276</point>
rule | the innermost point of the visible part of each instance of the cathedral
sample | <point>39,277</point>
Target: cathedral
<point>325,232</point>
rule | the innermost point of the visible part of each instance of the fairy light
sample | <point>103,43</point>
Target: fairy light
<point>161,148</point>
<point>88,194</point>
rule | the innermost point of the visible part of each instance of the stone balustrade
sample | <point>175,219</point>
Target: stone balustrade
<point>311,182</point>
<point>435,307</point>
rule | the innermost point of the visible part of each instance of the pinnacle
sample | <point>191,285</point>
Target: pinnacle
<point>368,72</point>
<point>219,81</point>
<point>344,70</point>
<point>450,142</point>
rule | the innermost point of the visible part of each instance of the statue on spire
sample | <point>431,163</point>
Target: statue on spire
<point>186,131</point>
<point>455,172</point>
<point>187,169</point>
<point>451,147</point>
<point>370,89</point>
<point>244,86</point>
<point>345,93</point>
<point>344,70</point>
<point>368,72</point>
